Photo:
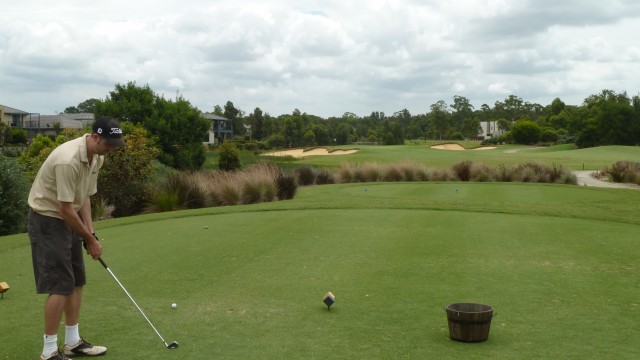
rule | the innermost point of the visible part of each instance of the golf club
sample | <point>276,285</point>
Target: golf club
<point>174,344</point>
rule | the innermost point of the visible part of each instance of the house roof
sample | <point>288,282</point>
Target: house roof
<point>47,121</point>
<point>79,116</point>
<point>211,116</point>
<point>10,110</point>
<point>84,118</point>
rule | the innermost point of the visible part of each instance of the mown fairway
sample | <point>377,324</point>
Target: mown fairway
<point>566,155</point>
<point>558,263</point>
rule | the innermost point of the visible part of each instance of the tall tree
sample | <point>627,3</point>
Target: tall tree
<point>178,127</point>
<point>611,120</point>
<point>235,115</point>
<point>463,110</point>
<point>256,120</point>
<point>130,102</point>
<point>439,120</point>
<point>88,106</point>
<point>511,109</point>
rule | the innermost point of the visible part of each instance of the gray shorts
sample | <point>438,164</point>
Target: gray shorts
<point>58,263</point>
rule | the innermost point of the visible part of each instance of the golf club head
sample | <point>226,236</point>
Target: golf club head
<point>173,345</point>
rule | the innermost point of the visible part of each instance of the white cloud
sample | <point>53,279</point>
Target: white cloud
<point>322,57</point>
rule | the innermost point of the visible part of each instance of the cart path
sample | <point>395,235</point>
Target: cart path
<point>587,178</point>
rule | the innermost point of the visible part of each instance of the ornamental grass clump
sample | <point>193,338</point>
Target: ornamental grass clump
<point>227,190</point>
<point>325,177</point>
<point>623,172</point>
<point>442,175</point>
<point>369,172</point>
<point>176,191</point>
<point>258,183</point>
<point>347,173</point>
<point>286,186</point>
<point>481,173</point>
<point>305,175</point>
<point>393,172</point>
<point>410,171</point>
<point>530,172</point>
<point>463,170</point>
<point>539,173</point>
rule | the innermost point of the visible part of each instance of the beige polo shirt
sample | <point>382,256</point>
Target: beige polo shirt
<point>65,176</point>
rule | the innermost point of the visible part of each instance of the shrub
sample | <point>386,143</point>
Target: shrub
<point>463,170</point>
<point>422,174</point>
<point>324,176</point>
<point>347,173</point>
<point>549,135</point>
<point>368,172</point>
<point>624,171</point>
<point>393,172</point>
<point>177,191</point>
<point>227,191</point>
<point>482,173</point>
<point>101,210</point>
<point>442,175</point>
<point>251,146</point>
<point>259,183</point>
<point>124,177</point>
<point>13,197</point>
<point>286,186</point>
<point>526,132</point>
<point>504,173</point>
<point>229,158</point>
<point>534,172</point>
<point>568,178</point>
<point>164,200</point>
<point>276,141</point>
<point>11,152</point>
<point>305,175</point>
<point>409,171</point>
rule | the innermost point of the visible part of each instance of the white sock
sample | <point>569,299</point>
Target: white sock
<point>72,335</point>
<point>50,345</point>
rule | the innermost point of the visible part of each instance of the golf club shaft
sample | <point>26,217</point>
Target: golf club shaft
<point>133,301</point>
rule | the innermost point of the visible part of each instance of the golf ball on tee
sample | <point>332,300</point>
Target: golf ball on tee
<point>173,306</point>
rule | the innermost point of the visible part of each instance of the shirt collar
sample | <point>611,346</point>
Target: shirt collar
<point>83,149</point>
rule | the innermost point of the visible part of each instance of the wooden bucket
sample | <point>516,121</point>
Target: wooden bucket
<point>469,322</point>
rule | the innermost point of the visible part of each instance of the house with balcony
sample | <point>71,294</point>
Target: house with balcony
<point>220,130</point>
<point>35,123</point>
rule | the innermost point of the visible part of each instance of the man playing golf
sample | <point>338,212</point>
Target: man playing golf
<point>59,222</point>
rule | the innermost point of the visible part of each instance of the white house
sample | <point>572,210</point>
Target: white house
<point>489,129</point>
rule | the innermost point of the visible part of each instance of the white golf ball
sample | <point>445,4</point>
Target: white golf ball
<point>173,306</point>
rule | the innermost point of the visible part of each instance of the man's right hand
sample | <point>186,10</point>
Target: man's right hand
<point>93,246</point>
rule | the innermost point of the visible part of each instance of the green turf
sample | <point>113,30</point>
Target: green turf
<point>558,263</point>
<point>566,155</point>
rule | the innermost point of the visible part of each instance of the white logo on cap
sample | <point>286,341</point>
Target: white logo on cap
<point>99,130</point>
<point>115,131</point>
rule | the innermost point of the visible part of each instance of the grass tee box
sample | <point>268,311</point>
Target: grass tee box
<point>558,262</point>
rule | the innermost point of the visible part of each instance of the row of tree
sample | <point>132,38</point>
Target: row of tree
<point>178,127</point>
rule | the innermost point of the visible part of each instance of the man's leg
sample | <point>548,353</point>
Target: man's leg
<point>74,345</point>
<point>53,308</point>
<point>72,316</point>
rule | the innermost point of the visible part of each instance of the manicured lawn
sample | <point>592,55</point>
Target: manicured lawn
<point>558,263</point>
<point>422,153</point>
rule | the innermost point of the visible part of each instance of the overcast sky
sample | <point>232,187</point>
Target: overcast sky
<point>323,57</point>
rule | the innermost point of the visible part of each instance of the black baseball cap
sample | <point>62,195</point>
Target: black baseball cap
<point>109,129</point>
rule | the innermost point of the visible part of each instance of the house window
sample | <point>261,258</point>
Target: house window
<point>16,121</point>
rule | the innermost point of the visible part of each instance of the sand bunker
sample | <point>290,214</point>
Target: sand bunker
<point>458,147</point>
<point>299,153</point>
